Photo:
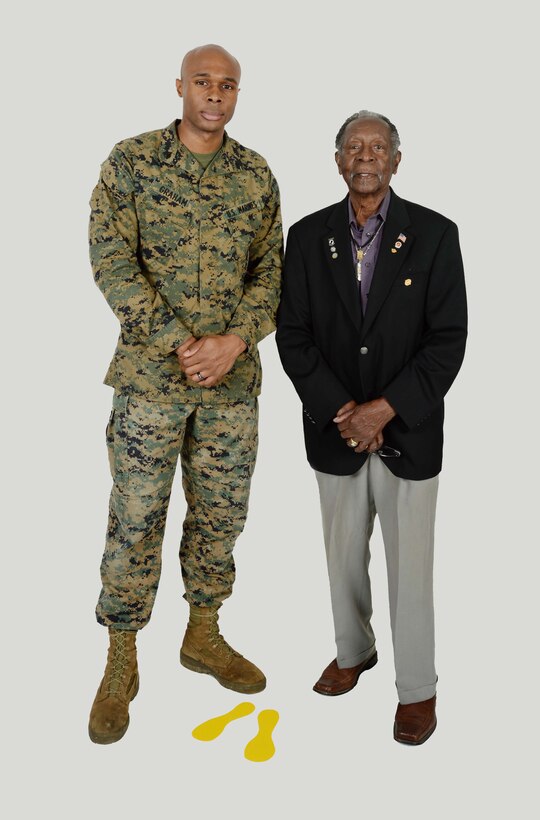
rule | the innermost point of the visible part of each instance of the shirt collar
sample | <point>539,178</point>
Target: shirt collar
<point>381,213</point>
<point>174,152</point>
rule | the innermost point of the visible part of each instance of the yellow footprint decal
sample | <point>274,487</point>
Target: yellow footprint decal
<point>212,728</point>
<point>262,747</point>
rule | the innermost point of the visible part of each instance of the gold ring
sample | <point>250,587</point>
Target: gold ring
<point>352,442</point>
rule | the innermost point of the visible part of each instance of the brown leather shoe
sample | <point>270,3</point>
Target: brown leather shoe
<point>336,681</point>
<point>415,722</point>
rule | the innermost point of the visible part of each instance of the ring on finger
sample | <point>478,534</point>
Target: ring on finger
<point>352,442</point>
<point>200,376</point>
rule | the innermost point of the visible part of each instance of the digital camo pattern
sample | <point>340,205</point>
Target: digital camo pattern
<point>178,251</point>
<point>217,444</point>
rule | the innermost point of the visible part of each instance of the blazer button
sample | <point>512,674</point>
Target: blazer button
<point>363,350</point>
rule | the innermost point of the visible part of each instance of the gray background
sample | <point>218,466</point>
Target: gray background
<point>456,79</point>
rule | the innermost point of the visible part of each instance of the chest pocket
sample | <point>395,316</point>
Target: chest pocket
<point>165,225</point>
<point>235,228</point>
<point>244,220</point>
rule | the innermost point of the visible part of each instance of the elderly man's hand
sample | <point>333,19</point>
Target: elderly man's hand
<point>209,357</point>
<point>345,411</point>
<point>364,423</point>
<point>372,447</point>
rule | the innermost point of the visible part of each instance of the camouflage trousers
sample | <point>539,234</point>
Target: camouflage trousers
<point>217,445</point>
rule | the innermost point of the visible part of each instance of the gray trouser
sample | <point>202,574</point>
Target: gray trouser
<point>406,511</point>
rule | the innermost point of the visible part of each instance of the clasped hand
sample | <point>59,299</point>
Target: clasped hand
<point>209,357</point>
<point>364,423</point>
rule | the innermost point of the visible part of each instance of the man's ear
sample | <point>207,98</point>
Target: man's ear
<point>396,162</point>
<point>338,161</point>
<point>179,87</point>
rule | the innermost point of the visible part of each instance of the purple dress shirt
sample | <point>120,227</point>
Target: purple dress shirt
<point>361,236</point>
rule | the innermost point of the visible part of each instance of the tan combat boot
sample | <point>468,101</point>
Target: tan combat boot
<point>109,717</point>
<point>205,650</point>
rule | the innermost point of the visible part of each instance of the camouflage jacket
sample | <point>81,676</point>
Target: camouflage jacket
<point>177,252</point>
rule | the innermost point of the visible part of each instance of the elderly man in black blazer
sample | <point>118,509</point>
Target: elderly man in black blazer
<point>371,331</point>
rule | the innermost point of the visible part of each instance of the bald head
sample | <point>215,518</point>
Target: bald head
<point>209,90</point>
<point>205,53</point>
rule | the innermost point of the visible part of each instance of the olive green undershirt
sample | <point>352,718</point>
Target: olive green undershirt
<point>205,159</point>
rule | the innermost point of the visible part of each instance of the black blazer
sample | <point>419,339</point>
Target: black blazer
<point>408,347</point>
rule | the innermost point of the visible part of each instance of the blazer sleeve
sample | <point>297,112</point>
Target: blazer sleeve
<point>419,388</point>
<point>320,391</point>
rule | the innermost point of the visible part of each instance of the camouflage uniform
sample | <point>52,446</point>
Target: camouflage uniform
<point>178,251</point>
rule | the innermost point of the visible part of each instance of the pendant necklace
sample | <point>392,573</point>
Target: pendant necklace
<point>361,252</point>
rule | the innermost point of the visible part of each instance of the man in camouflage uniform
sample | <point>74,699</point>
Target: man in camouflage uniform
<point>186,246</point>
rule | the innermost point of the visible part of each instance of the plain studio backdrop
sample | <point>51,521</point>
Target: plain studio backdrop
<point>457,81</point>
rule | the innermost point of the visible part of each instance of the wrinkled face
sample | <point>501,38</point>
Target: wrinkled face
<point>366,160</point>
<point>209,89</point>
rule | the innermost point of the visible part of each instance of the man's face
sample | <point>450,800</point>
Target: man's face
<point>366,160</point>
<point>209,89</point>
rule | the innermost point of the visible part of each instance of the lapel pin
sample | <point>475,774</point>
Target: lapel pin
<point>332,247</point>
<point>334,256</point>
<point>402,237</point>
<point>398,244</point>
<point>407,282</point>
<point>393,250</point>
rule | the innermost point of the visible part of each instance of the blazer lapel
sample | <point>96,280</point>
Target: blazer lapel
<point>390,258</point>
<point>337,250</point>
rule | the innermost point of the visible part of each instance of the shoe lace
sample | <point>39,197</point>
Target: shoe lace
<point>118,663</point>
<point>218,642</point>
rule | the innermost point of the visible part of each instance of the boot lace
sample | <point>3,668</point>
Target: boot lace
<point>117,664</point>
<point>218,642</point>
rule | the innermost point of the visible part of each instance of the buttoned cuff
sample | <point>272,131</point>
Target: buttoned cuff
<point>169,337</point>
<point>246,332</point>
